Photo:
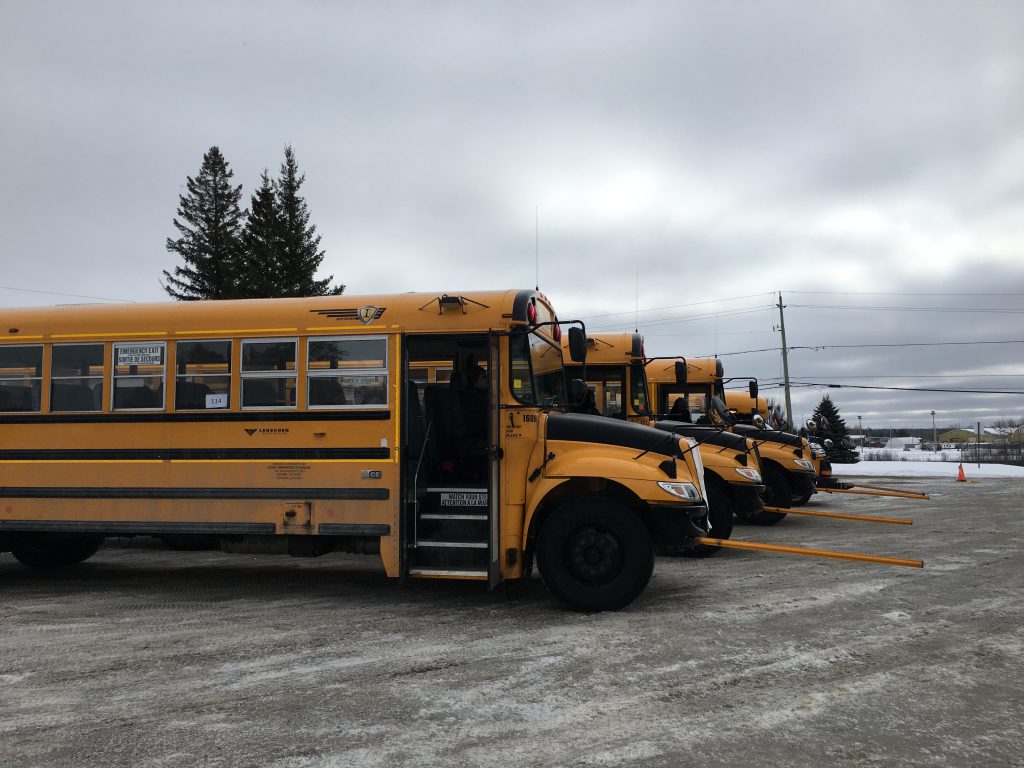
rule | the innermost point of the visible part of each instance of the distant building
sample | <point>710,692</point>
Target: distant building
<point>902,443</point>
<point>988,435</point>
<point>957,436</point>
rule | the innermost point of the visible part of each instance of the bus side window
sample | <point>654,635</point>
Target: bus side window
<point>203,378</point>
<point>139,369</point>
<point>21,377</point>
<point>347,371</point>
<point>76,377</point>
<point>269,373</point>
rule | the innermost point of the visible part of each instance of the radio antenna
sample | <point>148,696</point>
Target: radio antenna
<point>536,241</point>
<point>636,304</point>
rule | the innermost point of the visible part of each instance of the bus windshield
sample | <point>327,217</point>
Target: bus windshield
<point>638,389</point>
<point>537,375</point>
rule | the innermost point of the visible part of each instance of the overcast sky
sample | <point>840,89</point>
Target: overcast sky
<point>683,159</point>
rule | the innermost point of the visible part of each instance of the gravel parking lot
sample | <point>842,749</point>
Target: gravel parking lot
<point>147,657</point>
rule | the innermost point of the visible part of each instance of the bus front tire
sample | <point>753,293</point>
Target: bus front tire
<point>777,493</point>
<point>47,550</point>
<point>595,554</point>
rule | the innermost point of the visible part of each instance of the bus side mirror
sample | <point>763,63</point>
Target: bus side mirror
<point>752,386</point>
<point>577,345</point>
<point>680,372</point>
<point>719,408</point>
<point>577,391</point>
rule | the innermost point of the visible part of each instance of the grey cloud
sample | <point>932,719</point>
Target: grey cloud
<point>854,146</point>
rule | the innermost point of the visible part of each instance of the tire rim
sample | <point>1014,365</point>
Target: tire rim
<point>593,555</point>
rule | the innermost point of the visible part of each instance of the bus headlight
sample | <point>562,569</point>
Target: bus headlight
<point>686,491</point>
<point>804,464</point>
<point>750,474</point>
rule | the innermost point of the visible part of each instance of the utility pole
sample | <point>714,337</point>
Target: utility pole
<point>935,440</point>
<point>785,362</point>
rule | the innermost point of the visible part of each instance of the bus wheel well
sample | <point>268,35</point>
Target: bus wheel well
<point>581,486</point>
<point>712,478</point>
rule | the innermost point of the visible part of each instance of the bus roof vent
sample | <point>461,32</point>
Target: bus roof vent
<point>446,303</point>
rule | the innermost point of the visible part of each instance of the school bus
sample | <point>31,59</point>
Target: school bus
<point>693,386</point>
<point>430,429</point>
<point>616,375</point>
<point>745,406</point>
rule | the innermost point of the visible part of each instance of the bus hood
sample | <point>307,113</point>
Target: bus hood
<point>772,435</point>
<point>585,428</point>
<point>704,435</point>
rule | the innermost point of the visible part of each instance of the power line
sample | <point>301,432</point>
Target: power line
<point>911,344</point>
<point>903,293</point>
<point>927,376</point>
<point>688,318</point>
<point>677,306</point>
<point>828,385</point>
<point>69,295</point>
<point>873,308</point>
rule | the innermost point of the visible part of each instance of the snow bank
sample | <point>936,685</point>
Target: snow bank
<point>924,469</point>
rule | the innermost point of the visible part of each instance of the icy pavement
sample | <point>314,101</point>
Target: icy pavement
<point>148,658</point>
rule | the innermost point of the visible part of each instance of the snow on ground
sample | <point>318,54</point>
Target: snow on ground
<point>914,454</point>
<point>924,468</point>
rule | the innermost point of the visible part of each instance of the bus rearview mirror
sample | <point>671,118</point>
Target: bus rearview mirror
<point>577,345</point>
<point>752,386</point>
<point>680,372</point>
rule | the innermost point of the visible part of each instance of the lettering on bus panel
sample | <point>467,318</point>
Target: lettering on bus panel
<point>463,498</point>
<point>140,354</point>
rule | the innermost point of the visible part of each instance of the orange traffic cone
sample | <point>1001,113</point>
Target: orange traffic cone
<point>960,475</point>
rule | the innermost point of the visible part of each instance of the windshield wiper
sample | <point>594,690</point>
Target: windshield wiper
<point>673,433</point>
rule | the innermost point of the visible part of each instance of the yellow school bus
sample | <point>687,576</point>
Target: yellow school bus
<point>692,388</point>
<point>428,428</point>
<point>616,375</point>
<point>745,406</point>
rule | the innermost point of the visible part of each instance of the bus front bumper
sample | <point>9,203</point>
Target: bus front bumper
<point>802,482</point>
<point>677,523</point>
<point>747,499</point>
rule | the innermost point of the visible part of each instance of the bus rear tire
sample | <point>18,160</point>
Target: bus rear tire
<point>595,554</point>
<point>778,493</point>
<point>720,515</point>
<point>54,550</point>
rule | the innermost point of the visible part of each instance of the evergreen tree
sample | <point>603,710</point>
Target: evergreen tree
<point>210,226</point>
<point>836,431</point>
<point>261,243</point>
<point>298,256</point>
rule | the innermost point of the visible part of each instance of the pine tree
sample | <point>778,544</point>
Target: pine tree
<point>835,431</point>
<point>210,226</point>
<point>298,255</point>
<point>261,243</point>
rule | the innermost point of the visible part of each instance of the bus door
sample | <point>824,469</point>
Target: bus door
<point>448,504</point>
<point>494,454</point>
